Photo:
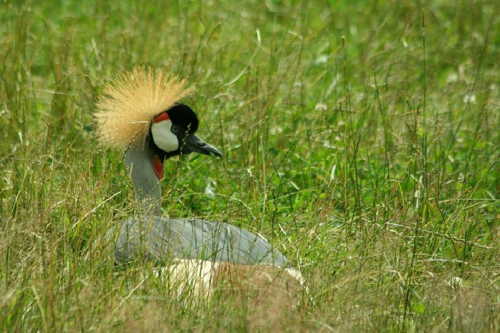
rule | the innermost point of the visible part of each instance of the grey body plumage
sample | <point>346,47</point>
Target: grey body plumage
<point>161,239</point>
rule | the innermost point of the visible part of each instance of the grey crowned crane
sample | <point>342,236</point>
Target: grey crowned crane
<point>140,113</point>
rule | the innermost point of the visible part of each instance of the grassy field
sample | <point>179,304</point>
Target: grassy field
<point>360,137</point>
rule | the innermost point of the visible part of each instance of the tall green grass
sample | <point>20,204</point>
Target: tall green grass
<point>359,137</point>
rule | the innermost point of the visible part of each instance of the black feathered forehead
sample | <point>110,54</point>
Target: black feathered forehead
<point>184,116</point>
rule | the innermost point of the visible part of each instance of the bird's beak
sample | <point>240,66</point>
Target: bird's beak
<point>196,145</point>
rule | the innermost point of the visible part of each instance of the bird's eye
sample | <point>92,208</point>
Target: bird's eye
<point>175,129</point>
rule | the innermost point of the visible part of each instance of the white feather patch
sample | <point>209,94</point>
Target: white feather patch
<point>163,136</point>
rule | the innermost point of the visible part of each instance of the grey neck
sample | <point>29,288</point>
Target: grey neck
<point>139,163</point>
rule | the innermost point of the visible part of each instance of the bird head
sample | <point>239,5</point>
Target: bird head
<point>173,131</point>
<point>141,108</point>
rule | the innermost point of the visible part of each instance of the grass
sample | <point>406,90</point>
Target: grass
<point>361,138</point>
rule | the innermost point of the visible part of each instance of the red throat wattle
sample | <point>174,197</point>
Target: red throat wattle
<point>158,166</point>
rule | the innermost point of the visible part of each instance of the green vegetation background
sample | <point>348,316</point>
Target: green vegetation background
<point>360,137</point>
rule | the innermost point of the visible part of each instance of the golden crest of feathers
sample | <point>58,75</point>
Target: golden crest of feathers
<point>131,101</point>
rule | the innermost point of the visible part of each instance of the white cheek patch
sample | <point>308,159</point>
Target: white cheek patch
<point>163,136</point>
